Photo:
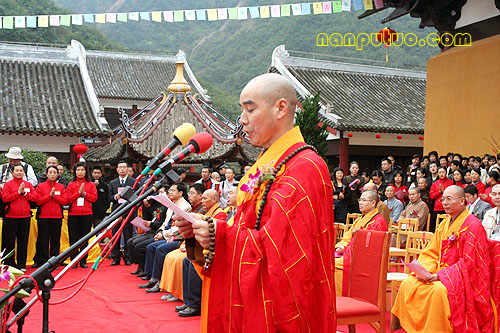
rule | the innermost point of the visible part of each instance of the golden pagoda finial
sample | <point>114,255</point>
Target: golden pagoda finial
<point>179,85</point>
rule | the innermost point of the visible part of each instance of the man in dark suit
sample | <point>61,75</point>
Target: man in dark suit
<point>475,205</point>
<point>99,207</point>
<point>115,187</point>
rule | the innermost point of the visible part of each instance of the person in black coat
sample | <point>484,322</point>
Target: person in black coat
<point>115,187</point>
<point>102,204</point>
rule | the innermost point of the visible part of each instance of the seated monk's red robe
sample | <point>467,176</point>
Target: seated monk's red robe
<point>370,221</point>
<point>280,277</point>
<point>460,300</point>
<point>494,250</point>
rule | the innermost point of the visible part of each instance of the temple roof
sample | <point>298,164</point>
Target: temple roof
<point>42,91</point>
<point>359,97</point>
<point>135,76</point>
<point>152,130</point>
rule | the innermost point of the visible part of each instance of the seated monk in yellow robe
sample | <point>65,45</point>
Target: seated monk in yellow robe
<point>456,297</point>
<point>370,219</point>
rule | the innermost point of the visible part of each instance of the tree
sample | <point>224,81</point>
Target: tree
<point>312,129</point>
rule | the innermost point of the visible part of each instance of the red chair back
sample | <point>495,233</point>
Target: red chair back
<point>368,271</point>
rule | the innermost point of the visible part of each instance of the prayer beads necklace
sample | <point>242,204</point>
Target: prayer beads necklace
<point>271,181</point>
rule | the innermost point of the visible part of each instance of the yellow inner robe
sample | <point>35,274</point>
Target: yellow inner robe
<point>424,307</point>
<point>361,222</point>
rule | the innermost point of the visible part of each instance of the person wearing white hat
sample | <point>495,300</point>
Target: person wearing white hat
<point>14,155</point>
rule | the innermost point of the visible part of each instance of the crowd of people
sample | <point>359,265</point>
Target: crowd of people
<point>423,181</point>
<point>270,242</point>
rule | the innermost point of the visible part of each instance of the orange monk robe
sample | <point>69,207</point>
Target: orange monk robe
<point>460,300</point>
<point>280,277</point>
<point>171,276</point>
<point>216,213</point>
<point>370,221</point>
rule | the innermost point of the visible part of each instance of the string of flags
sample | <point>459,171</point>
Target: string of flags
<point>214,14</point>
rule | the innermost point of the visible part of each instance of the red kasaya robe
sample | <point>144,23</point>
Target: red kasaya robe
<point>467,277</point>
<point>280,277</point>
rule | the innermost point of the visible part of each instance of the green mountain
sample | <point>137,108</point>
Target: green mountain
<point>89,36</point>
<point>223,54</point>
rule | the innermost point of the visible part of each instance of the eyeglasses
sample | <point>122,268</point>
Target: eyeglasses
<point>172,190</point>
<point>364,200</point>
<point>448,199</point>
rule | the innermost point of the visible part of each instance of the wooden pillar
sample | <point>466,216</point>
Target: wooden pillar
<point>344,153</point>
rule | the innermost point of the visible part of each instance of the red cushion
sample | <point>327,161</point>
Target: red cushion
<point>349,307</point>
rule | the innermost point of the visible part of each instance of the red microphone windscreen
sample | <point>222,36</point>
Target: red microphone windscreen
<point>202,141</point>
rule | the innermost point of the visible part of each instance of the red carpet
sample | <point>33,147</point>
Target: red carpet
<point>112,302</point>
<point>109,302</point>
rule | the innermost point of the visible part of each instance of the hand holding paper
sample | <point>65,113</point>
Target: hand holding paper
<point>420,271</point>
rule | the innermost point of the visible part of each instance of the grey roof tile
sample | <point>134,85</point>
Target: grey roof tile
<point>45,98</point>
<point>127,76</point>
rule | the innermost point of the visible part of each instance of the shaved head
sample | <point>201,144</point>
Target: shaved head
<point>371,195</point>
<point>370,187</point>
<point>454,190</point>
<point>272,87</point>
<point>211,193</point>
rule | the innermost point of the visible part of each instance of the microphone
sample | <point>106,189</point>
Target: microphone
<point>181,135</point>
<point>200,142</point>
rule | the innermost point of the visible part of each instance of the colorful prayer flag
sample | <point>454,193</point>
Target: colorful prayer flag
<point>201,15</point>
<point>264,12</point>
<point>254,12</point>
<point>122,17</point>
<point>65,20</point>
<point>179,16</point>
<point>275,11</point>
<point>8,22</point>
<point>89,18</point>
<point>306,8</point>
<point>233,13</point>
<point>346,5</point>
<point>100,18</point>
<point>358,4</point>
<point>222,13</point>
<point>111,17</point>
<point>20,21</point>
<point>327,7</point>
<point>168,16</point>
<point>144,16</point>
<point>54,20</point>
<point>31,21</point>
<point>43,21</point>
<point>212,14</point>
<point>337,6</point>
<point>190,15</point>
<point>242,13</point>
<point>156,16</point>
<point>368,4</point>
<point>317,8</point>
<point>379,4</point>
<point>77,19</point>
<point>133,16</point>
<point>297,9</point>
<point>285,10</point>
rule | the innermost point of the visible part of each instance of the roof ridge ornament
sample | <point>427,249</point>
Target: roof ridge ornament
<point>179,85</point>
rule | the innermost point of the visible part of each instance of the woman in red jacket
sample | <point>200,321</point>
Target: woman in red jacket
<point>81,194</point>
<point>436,194</point>
<point>475,175</point>
<point>51,196</point>
<point>17,194</point>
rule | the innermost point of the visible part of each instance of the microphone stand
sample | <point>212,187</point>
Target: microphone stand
<point>42,275</point>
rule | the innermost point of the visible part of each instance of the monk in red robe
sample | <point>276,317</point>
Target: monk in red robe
<point>370,219</point>
<point>274,272</point>
<point>456,296</point>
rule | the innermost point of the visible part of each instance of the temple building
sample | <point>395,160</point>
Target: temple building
<point>116,103</point>
<point>371,111</point>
